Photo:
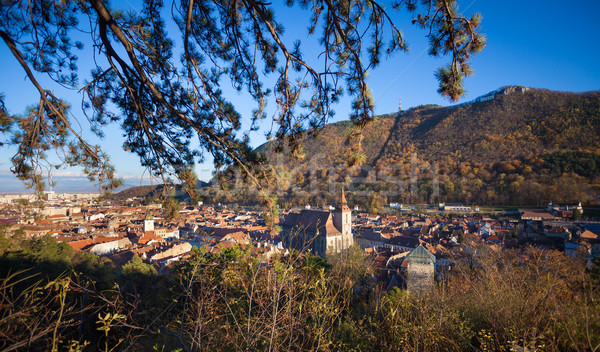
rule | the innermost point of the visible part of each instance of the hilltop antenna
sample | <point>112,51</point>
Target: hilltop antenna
<point>399,104</point>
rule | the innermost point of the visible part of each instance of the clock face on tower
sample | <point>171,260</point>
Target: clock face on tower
<point>347,227</point>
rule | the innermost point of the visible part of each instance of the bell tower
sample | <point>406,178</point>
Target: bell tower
<point>343,221</point>
<point>148,222</point>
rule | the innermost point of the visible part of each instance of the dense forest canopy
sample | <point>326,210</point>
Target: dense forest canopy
<point>164,88</point>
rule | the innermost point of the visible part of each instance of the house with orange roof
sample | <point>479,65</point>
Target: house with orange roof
<point>33,231</point>
<point>220,232</point>
<point>167,233</point>
<point>96,245</point>
<point>558,232</point>
<point>535,215</point>
<point>148,238</point>
<point>497,239</point>
<point>236,237</point>
<point>588,235</point>
<point>174,251</point>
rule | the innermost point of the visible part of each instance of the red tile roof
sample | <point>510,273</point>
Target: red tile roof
<point>149,236</point>
<point>84,245</point>
<point>587,234</point>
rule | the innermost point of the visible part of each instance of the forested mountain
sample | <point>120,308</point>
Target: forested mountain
<point>515,145</point>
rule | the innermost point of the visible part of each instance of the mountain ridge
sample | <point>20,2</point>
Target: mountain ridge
<point>520,139</point>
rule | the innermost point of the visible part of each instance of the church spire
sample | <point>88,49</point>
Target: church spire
<point>343,198</point>
<point>343,204</point>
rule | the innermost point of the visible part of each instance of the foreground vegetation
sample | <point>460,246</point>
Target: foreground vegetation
<point>55,299</point>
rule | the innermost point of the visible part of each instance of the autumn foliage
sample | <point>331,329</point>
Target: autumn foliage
<point>520,148</point>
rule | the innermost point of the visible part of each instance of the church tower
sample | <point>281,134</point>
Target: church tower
<point>148,222</point>
<point>342,219</point>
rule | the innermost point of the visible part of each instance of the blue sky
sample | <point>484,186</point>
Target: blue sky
<point>534,43</point>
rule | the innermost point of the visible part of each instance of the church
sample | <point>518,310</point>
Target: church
<point>320,231</point>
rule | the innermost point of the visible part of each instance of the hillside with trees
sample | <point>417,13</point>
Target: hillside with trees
<point>513,146</point>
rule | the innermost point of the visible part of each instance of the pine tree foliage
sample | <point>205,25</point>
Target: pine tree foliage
<point>164,88</point>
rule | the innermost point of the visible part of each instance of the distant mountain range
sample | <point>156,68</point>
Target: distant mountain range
<point>64,184</point>
<point>515,145</point>
<point>150,192</point>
